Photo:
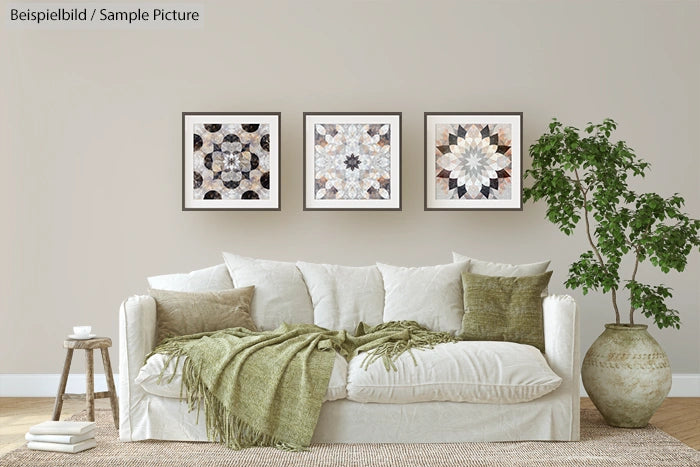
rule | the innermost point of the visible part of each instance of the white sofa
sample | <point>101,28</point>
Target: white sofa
<point>554,416</point>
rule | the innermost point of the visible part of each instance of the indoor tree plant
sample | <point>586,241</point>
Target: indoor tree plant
<point>583,176</point>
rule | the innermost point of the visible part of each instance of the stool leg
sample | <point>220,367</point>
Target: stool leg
<point>58,405</point>
<point>110,386</point>
<point>90,384</point>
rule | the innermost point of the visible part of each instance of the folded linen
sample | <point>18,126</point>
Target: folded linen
<point>64,427</point>
<point>61,439</point>
<point>71,448</point>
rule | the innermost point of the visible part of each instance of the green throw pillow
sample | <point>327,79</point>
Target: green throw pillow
<point>504,308</point>
<point>183,313</point>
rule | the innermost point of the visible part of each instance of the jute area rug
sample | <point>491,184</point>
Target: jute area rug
<point>600,445</point>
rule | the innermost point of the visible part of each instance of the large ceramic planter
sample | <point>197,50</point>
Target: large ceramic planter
<point>627,375</point>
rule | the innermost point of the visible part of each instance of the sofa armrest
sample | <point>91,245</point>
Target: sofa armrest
<point>562,348</point>
<point>561,336</point>
<point>137,335</point>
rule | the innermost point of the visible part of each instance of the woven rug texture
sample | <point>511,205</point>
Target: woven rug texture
<point>600,445</point>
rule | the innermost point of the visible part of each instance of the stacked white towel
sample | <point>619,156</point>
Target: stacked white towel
<point>62,436</point>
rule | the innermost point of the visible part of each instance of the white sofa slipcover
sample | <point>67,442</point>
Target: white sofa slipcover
<point>554,416</point>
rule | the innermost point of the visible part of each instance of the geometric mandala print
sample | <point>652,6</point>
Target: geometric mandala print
<point>473,161</point>
<point>352,161</point>
<point>231,161</point>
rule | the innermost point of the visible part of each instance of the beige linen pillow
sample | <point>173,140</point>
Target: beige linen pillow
<point>182,313</point>
<point>504,308</point>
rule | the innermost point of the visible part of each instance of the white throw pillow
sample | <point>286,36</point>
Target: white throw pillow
<point>212,279</point>
<point>487,268</point>
<point>280,292</point>
<point>167,383</point>
<point>431,296</point>
<point>468,371</point>
<point>343,296</point>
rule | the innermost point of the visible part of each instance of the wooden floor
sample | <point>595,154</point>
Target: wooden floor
<point>678,416</point>
<point>17,414</point>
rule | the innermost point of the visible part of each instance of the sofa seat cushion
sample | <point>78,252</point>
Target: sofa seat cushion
<point>475,371</point>
<point>150,374</point>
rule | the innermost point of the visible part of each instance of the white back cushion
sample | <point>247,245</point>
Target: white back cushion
<point>468,371</point>
<point>431,296</point>
<point>212,279</point>
<point>343,296</point>
<point>487,268</point>
<point>280,292</point>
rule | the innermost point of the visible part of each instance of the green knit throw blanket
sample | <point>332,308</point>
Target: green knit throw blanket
<point>266,388</point>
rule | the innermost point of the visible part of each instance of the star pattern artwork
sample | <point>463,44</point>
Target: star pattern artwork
<point>352,161</point>
<point>473,161</point>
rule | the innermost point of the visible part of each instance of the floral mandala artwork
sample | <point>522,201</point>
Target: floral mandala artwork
<point>352,161</point>
<point>473,161</point>
<point>231,161</point>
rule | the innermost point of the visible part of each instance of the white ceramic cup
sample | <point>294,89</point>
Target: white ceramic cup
<point>82,331</point>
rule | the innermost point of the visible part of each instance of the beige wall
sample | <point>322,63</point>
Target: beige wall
<point>91,142</point>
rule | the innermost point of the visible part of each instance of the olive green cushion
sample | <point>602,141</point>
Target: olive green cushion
<point>183,313</point>
<point>504,308</point>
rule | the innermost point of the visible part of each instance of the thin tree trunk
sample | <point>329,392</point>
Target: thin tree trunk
<point>593,245</point>
<point>634,275</point>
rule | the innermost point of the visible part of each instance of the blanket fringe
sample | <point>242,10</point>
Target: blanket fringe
<point>419,338</point>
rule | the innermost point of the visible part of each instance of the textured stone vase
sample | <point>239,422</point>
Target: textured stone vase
<point>627,375</point>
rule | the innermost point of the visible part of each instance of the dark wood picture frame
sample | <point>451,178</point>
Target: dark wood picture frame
<point>516,167</point>
<point>272,176</point>
<point>394,203</point>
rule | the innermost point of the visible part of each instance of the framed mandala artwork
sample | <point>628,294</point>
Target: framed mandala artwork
<point>230,161</point>
<point>352,161</point>
<point>473,161</point>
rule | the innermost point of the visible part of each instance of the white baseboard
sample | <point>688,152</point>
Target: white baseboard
<point>682,385</point>
<point>46,385</point>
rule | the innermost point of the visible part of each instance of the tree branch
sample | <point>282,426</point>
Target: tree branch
<point>634,275</point>
<point>613,291</point>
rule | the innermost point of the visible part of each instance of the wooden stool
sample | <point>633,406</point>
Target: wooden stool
<point>88,345</point>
